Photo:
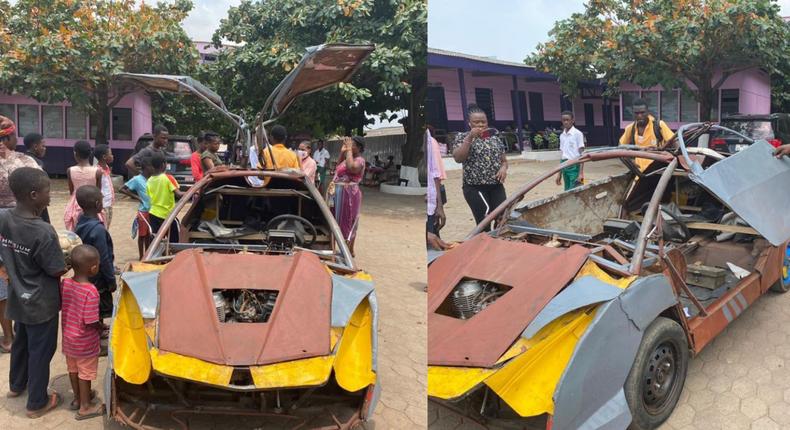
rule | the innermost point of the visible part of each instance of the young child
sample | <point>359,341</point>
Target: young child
<point>209,158</point>
<point>92,232</point>
<point>136,189</point>
<point>195,163</point>
<point>103,153</point>
<point>81,327</point>
<point>81,174</point>
<point>31,252</point>
<point>571,147</point>
<point>163,195</point>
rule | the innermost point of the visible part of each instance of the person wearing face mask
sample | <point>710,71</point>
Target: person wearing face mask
<point>645,131</point>
<point>305,157</point>
<point>484,164</point>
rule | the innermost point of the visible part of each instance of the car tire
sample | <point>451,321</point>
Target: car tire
<point>782,285</point>
<point>657,377</point>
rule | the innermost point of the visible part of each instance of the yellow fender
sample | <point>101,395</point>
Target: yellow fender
<point>131,360</point>
<point>354,361</point>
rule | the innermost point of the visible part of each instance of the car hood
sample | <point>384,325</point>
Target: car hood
<point>535,273</point>
<point>299,326</point>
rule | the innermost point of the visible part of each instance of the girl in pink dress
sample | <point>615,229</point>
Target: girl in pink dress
<point>348,197</point>
<point>81,174</point>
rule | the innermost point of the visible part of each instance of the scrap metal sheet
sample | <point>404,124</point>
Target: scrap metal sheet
<point>143,286</point>
<point>753,184</point>
<point>587,392</point>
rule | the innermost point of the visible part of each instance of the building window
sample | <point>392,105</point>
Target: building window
<point>29,121</point>
<point>436,108</point>
<point>76,119</point>
<point>689,111</point>
<point>121,124</point>
<point>730,102</point>
<point>485,99</point>
<point>589,115</point>
<point>93,123</point>
<point>669,106</point>
<point>519,99</point>
<point>8,111</point>
<point>536,108</point>
<point>53,121</point>
<point>651,97</point>
<point>627,104</point>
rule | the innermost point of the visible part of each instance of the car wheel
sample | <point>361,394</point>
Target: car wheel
<point>653,387</point>
<point>782,285</point>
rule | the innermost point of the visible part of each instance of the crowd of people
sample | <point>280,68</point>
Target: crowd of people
<point>33,292</point>
<point>482,155</point>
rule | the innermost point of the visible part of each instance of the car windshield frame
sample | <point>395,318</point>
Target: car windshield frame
<point>158,245</point>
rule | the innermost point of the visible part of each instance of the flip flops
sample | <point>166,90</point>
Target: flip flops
<point>75,404</point>
<point>97,413</point>
<point>13,394</point>
<point>55,400</point>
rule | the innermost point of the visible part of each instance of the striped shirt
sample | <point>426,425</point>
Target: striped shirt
<point>80,308</point>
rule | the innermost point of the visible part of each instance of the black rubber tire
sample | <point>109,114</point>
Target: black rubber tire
<point>664,342</point>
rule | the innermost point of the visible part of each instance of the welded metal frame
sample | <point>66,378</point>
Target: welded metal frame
<point>157,246</point>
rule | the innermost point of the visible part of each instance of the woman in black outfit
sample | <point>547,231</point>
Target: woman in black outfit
<point>485,165</point>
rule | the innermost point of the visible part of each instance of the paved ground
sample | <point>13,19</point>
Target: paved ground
<point>390,247</point>
<point>740,381</point>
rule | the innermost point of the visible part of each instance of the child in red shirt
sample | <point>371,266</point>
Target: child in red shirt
<point>81,329</point>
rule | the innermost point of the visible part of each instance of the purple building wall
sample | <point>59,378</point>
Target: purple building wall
<point>452,71</point>
<point>59,148</point>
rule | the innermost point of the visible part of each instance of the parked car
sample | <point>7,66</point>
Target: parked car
<point>773,128</point>
<point>178,153</point>
<point>582,310</point>
<point>259,308</point>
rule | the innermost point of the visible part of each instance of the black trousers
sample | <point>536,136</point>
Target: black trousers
<point>32,351</point>
<point>483,199</point>
<point>156,224</point>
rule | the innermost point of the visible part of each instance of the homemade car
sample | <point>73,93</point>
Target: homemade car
<point>258,309</point>
<point>581,310</point>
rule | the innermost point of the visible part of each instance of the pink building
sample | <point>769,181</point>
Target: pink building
<point>63,125</point>
<point>516,95</point>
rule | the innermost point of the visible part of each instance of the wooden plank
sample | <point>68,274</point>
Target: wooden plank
<point>722,227</point>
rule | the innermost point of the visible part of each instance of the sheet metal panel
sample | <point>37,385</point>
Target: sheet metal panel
<point>753,184</point>
<point>299,324</point>
<point>535,273</point>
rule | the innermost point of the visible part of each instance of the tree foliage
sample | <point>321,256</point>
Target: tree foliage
<point>690,44</point>
<point>271,37</point>
<point>59,50</point>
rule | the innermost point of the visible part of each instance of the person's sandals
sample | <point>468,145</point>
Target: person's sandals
<point>13,394</point>
<point>5,349</point>
<point>100,409</point>
<point>75,404</point>
<point>55,400</point>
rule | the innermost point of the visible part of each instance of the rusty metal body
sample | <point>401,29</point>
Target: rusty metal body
<point>523,234</point>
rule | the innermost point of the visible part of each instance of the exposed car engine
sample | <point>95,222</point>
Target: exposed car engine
<point>470,297</point>
<point>246,306</point>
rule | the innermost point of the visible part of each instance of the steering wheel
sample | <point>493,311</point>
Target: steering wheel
<point>307,224</point>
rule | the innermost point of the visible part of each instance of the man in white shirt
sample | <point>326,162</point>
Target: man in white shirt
<point>321,156</point>
<point>571,147</point>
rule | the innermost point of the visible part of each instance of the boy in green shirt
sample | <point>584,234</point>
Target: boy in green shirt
<point>162,193</point>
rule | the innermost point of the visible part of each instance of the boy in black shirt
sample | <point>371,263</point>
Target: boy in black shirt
<point>31,252</point>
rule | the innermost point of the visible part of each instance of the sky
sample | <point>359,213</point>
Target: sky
<point>505,29</point>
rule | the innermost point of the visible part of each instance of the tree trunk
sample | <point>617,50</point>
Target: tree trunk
<point>101,109</point>
<point>411,153</point>
<point>706,96</point>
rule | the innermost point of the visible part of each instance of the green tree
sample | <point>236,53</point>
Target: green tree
<point>61,50</point>
<point>690,44</point>
<point>272,36</point>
